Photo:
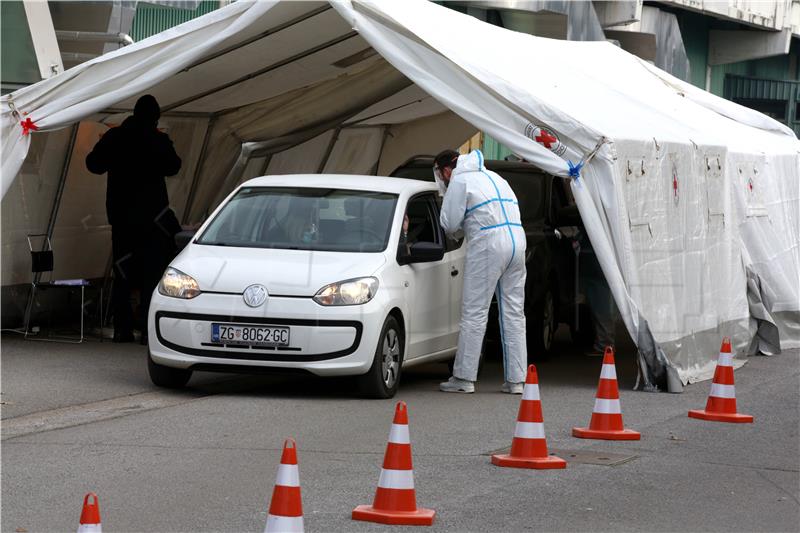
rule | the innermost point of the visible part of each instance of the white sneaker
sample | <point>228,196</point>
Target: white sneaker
<point>457,385</point>
<point>513,388</point>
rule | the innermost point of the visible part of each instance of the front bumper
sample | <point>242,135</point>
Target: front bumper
<point>326,341</point>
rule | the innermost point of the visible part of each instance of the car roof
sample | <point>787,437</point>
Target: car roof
<point>426,161</point>
<point>343,181</point>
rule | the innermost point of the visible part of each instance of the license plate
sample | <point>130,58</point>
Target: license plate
<point>249,335</point>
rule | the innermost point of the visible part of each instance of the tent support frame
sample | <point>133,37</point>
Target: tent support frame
<point>280,27</point>
<point>386,134</point>
<point>329,150</point>
<point>267,161</point>
<point>176,114</point>
<point>268,68</point>
<point>201,159</point>
<point>62,182</point>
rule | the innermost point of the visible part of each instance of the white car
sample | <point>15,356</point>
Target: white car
<point>312,272</point>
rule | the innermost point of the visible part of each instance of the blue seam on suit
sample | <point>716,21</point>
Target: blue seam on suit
<point>474,207</point>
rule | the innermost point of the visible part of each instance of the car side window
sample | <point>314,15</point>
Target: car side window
<point>422,222</point>
<point>423,225</point>
<point>450,244</point>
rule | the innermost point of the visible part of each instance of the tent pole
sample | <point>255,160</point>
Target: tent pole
<point>268,68</point>
<point>177,114</point>
<point>196,178</point>
<point>386,133</point>
<point>329,150</point>
<point>267,33</point>
<point>51,224</point>
<point>360,123</point>
<point>267,160</point>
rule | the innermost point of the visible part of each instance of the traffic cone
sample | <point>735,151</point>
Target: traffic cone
<point>606,420</point>
<point>90,515</point>
<point>529,447</point>
<point>286,508</point>
<point>721,405</point>
<point>395,500</point>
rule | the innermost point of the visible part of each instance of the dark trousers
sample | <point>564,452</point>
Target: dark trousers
<point>125,278</point>
<point>140,257</point>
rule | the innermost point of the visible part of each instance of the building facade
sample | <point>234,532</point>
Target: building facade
<point>745,50</point>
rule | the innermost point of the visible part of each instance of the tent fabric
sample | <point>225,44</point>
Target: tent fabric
<point>658,236</point>
<point>92,86</point>
<point>691,202</point>
<point>307,110</point>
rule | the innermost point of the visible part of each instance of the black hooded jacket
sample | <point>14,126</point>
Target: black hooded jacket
<point>137,157</point>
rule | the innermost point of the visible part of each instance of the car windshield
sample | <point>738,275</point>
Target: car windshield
<point>299,218</point>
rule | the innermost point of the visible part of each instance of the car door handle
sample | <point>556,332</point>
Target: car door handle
<point>454,272</point>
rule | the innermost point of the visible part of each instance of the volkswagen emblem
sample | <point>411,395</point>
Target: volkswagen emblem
<point>255,295</point>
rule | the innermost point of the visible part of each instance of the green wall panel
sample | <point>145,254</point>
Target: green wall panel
<point>151,19</point>
<point>694,32</point>
<point>17,56</point>
<point>492,149</point>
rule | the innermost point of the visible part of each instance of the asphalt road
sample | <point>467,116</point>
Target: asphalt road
<point>80,418</point>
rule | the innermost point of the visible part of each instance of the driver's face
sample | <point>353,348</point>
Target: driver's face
<point>446,172</point>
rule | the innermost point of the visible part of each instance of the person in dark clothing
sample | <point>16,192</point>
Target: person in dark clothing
<point>137,158</point>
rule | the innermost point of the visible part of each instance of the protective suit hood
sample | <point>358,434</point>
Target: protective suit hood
<point>471,162</point>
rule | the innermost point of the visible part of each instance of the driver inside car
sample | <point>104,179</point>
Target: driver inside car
<point>296,226</point>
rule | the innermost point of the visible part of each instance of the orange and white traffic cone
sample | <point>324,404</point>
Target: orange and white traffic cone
<point>396,500</point>
<point>721,405</point>
<point>286,508</point>
<point>606,422</point>
<point>90,515</point>
<point>529,446</point>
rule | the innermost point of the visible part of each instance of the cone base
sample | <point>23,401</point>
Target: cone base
<point>736,418</point>
<point>608,434</point>
<point>537,463</point>
<point>420,517</point>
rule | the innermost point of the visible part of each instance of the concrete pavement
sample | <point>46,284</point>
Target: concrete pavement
<point>207,460</point>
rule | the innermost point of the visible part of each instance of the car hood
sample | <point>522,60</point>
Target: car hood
<point>282,272</point>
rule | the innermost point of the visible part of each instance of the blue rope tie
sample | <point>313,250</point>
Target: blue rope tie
<point>575,170</point>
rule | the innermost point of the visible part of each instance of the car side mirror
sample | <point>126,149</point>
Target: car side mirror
<point>182,238</point>
<point>424,252</point>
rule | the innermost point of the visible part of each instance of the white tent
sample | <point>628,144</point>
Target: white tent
<point>692,203</point>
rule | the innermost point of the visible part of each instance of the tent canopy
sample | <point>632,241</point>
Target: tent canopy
<point>691,202</point>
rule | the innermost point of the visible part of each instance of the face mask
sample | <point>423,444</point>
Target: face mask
<point>437,176</point>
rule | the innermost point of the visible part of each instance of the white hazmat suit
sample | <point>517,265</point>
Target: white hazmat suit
<point>482,204</point>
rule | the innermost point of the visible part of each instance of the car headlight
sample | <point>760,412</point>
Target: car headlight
<point>176,284</point>
<point>350,292</point>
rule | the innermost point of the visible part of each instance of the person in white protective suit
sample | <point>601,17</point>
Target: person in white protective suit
<point>482,204</point>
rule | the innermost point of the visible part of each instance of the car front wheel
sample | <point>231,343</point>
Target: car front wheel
<point>166,376</point>
<point>383,377</point>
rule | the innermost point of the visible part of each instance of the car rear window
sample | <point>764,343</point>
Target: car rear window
<point>529,187</point>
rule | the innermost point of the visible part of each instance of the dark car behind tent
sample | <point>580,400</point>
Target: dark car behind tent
<point>550,289</point>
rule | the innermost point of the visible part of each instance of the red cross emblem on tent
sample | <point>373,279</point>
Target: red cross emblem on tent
<point>546,138</point>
